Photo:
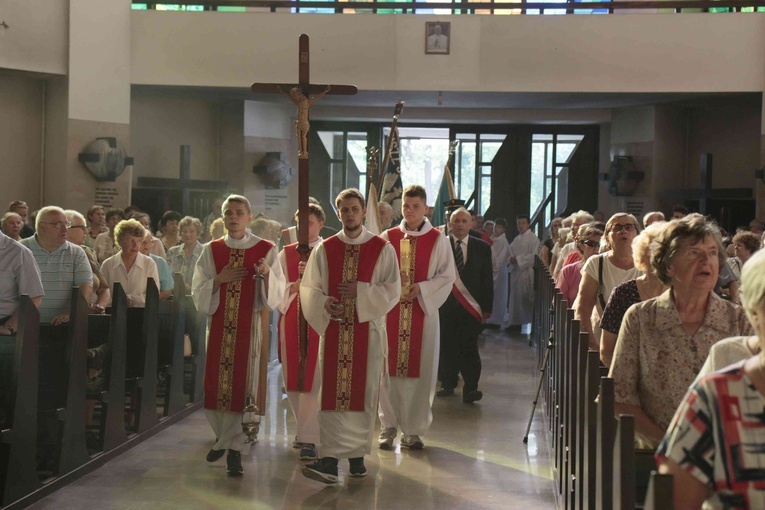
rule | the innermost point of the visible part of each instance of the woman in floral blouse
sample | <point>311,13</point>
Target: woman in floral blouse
<point>663,342</point>
<point>714,446</point>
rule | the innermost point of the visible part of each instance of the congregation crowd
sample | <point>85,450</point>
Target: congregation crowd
<point>676,308</point>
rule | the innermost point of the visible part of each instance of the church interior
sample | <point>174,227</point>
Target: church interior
<point>614,110</point>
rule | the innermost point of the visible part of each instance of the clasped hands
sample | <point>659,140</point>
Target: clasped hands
<point>347,290</point>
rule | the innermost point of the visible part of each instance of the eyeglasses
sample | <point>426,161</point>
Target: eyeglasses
<point>629,227</point>
<point>591,244</point>
<point>59,224</point>
<point>83,227</point>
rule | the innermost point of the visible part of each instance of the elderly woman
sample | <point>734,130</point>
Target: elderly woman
<point>578,219</point>
<point>166,281</point>
<point>663,342</point>
<point>129,266</point>
<point>183,258</point>
<point>105,244</point>
<point>156,247</point>
<point>713,445</point>
<point>547,246</point>
<point>588,244</point>
<point>76,234</point>
<point>217,229</point>
<point>168,229</point>
<point>97,224</point>
<point>11,224</point>
<point>602,273</point>
<point>745,244</point>
<point>630,292</point>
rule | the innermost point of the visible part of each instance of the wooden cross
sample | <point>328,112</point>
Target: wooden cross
<point>706,192</point>
<point>304,95</point>
<point>186,184</point>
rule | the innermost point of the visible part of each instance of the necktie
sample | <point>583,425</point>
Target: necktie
<point>458,256</point>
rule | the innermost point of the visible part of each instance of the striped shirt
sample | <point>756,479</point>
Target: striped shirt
<point>18,275</point>
<point>64,268</point>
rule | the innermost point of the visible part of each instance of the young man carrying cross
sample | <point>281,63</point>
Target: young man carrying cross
<point>409,384</point>
<point>303,401</point>
<point>223,287</point>
<point>350,283</point>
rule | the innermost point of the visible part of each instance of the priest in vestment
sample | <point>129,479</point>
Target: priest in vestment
<point>408,385</point>
<point>350,283</point>
<point>500,255</point>
<point>223,287</point>
<point>303,401</point>
<point>523,252</point>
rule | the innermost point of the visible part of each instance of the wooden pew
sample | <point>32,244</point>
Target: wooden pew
<point>196,325</point>
<point>576,414</point>
<point>170,347</point>
<point>18,375</point>
<point>587,474</point>
<point>61,442</point>
<point>571,373</point>
<point>661,493</point>
<point>624,497</point>
<point>113,327</point>
<point>144,380</point>
<point>605,445</point>
<point>74,451</point>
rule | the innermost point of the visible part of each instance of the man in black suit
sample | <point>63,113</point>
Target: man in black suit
<point>464,312</point>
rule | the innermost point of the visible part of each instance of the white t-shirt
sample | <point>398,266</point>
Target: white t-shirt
<point>612,276</point>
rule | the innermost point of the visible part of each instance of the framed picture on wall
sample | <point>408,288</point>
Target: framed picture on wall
<point>437,37</point>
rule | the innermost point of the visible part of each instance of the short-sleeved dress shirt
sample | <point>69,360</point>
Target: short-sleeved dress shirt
<point>133,282</point>
<point>64,268</point>
<point>166,281</point>
<point>19,275</point>
<point>179,263</point>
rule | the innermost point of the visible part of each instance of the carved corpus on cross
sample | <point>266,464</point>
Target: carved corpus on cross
<point>304,95</point>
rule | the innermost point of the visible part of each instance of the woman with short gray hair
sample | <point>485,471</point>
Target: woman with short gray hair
<point>663,342</point>
<point>183,258</point>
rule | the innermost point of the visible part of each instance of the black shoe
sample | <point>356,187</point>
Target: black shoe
<point>445,392</point>
<point>323,470</point>
<point>234,463</point>
<point>472,396</point>
<point>357,467</point>
<point>214,455</point>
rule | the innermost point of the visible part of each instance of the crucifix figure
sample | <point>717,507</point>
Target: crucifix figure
<point>304,95</point>
<point>303,103</point>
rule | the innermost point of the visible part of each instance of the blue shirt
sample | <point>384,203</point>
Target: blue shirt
<point>18,275</point>
<point>166,281</point>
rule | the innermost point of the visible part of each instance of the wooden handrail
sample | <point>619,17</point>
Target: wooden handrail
<point>470,7</point>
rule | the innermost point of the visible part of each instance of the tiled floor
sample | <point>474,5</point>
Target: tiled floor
<point>474,459</point>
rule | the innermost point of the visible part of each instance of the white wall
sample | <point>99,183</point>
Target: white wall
<point>99,60</point>
<point>21,122</point>
<point>38,37</point>
<point>619,53</point>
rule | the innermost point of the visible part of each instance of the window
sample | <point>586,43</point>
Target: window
<point>347,152</point>
<point>424,153</point>
<point>550,156</point>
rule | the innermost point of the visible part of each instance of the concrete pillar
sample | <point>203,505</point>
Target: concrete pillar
<point>92,101</point>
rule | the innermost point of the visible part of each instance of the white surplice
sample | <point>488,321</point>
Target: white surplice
<point>524,248</point>
<point>405,402</point>
<point>304,404</point>
<point>350,434</point>
<point>228,425</point>
<point>500,257</point>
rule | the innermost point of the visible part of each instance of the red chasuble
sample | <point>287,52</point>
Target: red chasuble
<point>228,345</point>
<point>344,377</point>
<point>290,325</point>
<point>406,320</point>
